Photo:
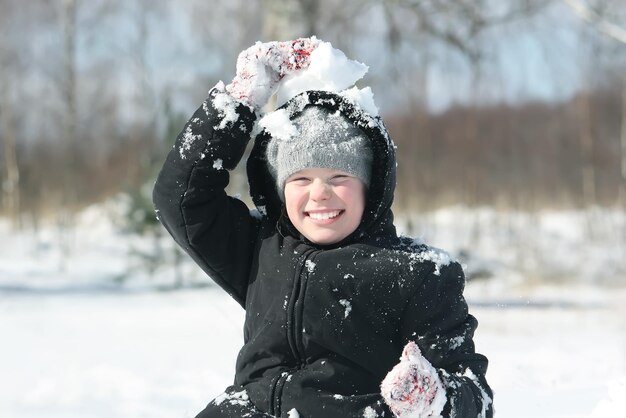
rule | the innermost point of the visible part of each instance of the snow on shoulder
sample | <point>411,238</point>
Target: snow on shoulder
<point>419,253</point>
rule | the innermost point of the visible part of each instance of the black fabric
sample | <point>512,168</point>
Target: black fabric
<point>234,402</point>
<point>324,324</point>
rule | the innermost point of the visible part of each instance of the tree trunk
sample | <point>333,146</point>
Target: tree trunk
<point>622,185</point>
<point>10,185</point>
<point>69,192</point>
<point>588,178</point>
<point>69,97</point>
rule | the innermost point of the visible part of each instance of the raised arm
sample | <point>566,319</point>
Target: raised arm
<point>215,229</point>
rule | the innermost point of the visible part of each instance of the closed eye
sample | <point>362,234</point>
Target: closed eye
<point>340,178</point>
<point>299,180</point>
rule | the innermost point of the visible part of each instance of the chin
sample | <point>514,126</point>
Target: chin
<point>325,239</point>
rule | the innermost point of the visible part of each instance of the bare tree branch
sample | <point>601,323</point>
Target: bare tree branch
<point>596,20</point>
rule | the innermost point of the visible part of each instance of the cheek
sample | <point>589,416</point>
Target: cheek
<point>353,197</point>
<point>293,200</point>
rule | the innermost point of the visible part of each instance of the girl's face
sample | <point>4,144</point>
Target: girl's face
<point>324,204</point>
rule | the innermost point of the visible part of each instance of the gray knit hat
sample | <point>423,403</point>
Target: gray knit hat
<point>323,140</point>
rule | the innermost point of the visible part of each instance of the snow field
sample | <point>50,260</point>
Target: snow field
<point>167,354</point>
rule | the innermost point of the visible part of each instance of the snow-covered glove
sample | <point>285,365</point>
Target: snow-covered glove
<point>261,67</point>
<point>413,389</point>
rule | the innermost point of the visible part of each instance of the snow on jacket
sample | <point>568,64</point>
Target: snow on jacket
<point>324,324</point>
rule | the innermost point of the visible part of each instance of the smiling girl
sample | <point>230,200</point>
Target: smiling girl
<point>344,318</point>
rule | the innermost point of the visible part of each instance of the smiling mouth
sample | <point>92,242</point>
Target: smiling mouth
<point>323,216</point>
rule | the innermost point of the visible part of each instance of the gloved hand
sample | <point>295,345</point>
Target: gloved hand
<point>261,67</point>
<point>413,389</point>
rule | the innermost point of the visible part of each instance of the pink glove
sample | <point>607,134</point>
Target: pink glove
<point>261,67</point>
<point>413,389</point>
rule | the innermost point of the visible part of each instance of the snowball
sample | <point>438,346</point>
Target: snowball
<point>329,70</point>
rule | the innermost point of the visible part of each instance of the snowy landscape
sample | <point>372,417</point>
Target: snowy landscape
<point>96,331</point>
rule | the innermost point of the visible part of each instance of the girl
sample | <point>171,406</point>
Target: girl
<point>333,296</point>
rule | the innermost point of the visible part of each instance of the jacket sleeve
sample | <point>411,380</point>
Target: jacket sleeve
<point>437,319</point>
<point>216,230</point>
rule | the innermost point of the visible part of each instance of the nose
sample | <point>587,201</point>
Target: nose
<point>320,190</point>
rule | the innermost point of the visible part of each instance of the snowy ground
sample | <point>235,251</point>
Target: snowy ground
<point>88,334</point>
<point>166,354</point>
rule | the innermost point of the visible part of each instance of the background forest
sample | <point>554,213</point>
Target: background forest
<point>514,104</point>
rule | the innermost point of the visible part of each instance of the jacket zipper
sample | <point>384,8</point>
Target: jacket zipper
<point>294,314</point>
<point>294,330</point>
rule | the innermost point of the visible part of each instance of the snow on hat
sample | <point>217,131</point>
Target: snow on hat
<point>323,140</point>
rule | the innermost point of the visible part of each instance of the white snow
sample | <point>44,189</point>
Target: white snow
<point>277,123</point>
<point>293,413</point>
<point>346,304</point>
<point>616,400</point>
<point>86,333</point>
<point>310,265</point>
<point>435,255</point>
<point>369,412</point>
<point>187,140</point>
<point>364,98</point>
<point>329,70</point>
<point>225,105</point>
<point>218,164</point>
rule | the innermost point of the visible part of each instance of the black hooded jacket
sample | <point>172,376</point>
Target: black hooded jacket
<point>324,324</point>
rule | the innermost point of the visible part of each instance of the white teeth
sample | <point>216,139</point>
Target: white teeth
<point>323,215</point>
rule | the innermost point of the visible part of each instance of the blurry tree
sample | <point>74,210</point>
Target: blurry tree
<point>609,18</point>
<point>10,174</point>
<point>68,93</point>
<point>107,102</point>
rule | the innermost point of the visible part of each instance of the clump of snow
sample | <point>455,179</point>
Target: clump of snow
<point>364,98</point>
<point>293,413</point>
<point>486,401</point>
<point>435,255</point>
<point>329,70</point>
<point>346,304</point>
<point>456,342</point>
<point>226,105</point>
<point>278,125</point>
<point>218,164</point>
<point>369,412</point>
<point>235,398</point>
<point>187,141</point>
<point>310,266</point>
